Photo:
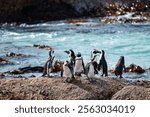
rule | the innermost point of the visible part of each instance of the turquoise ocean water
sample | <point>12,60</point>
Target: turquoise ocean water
<point>129,40</point>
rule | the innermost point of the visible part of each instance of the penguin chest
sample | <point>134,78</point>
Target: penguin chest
<point>67,72</point>
<point>78,66</point>
<point>91,71</point>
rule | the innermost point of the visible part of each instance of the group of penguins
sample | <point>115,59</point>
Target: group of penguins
<point>75,65</point>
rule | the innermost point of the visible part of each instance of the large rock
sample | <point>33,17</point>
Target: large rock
<point>38,10</point>
<point>132,93</point>
<point>47,10</point>
<point>54,88</point>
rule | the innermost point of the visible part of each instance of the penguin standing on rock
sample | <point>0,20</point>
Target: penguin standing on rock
<point>79,65</point>
<point>89,69</point>
<point>120,66</point>
<point>67,72</point>
<point>103,64</point>
<point>93,53</point>
<point>48,67</point>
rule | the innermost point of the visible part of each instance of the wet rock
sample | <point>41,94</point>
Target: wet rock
<point>25,70</point>
<point>42,46</point>
<point>2,60</point>
<point>124,19</point>
<point>132,68</point>
<point>135,68</point>
<point>132,93</point>
<point>32,76</point>
<point>12,54</point>
<point>76,21</point>
<point>2,75</point>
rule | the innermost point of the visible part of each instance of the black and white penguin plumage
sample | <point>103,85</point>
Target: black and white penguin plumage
<point>49,64</point>
<point>93,53</point>
<point>67,72</point>
<point>89,69</point>
<point>71,55</point>
<point>79,65</point>
<point>103,64</point>
<point>120,66</point>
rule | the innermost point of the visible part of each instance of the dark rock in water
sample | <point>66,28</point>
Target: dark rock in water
<point>2,75</point>
<point>124,19</point>
<point>135,68</point>
<point>132,93</point>
<point>32,76</point>
<point>132,68</point>
<point>76,21</point>
<point>2,60</point>
<point>26,70</point>
<point>12,54</point>
<point>58,66</point>
<point>41,46</point>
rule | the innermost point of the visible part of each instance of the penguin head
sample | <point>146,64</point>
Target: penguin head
<point>66,51</point>
<point>122,59</point>
<point>79,54</point>
<point>93,58</point>
<point>95,51</point>
<point>70,52</point>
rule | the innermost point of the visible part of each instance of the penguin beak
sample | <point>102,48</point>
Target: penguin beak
<point>66,52</point>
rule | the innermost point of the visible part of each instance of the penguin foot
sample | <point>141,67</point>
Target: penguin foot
<point>43,75</point>
<point>50,76</point>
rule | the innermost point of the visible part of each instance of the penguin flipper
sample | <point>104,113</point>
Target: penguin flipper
<point>83,66</point>
<point>45,69</point>
<point>87,68</point>
<point>52,59</point>
<point>99,65</point>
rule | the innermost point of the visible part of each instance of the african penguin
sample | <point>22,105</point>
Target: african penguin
<point>79,65</point>
<point>49,64</point>
<point>103,64</point>
<point>67,72</point>
<point>120,66</point>
<point>93,53</point>
<point>71,55</point>
<point>89,69</point>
